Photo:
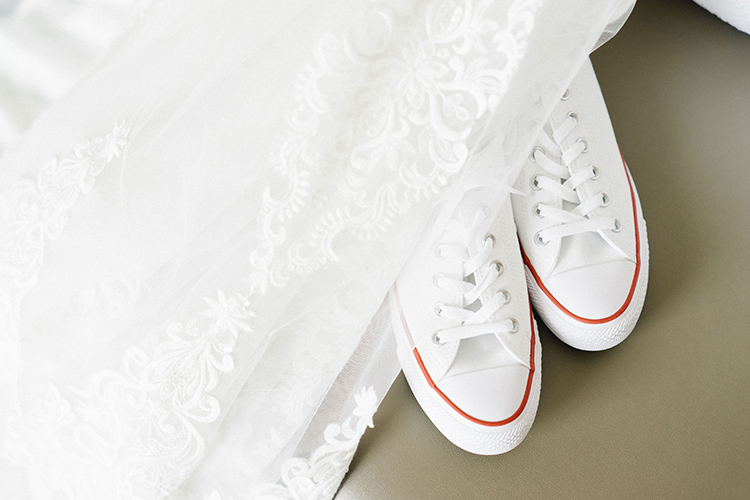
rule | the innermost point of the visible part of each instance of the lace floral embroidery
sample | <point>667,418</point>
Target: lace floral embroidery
<point>318,477</point>
<point>422,95</point>
<point>34,211</point>
<point>140,424</point>
<point>138,431</point>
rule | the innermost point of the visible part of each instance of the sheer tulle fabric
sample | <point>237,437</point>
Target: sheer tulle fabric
<point>45,47</point>
<point>196,241</point>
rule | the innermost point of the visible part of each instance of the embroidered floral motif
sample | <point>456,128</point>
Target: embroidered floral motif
<point>318,345</point>
<point>318,477</point>
<point>36,210</point>
<point>135,435</point>
<point>32,212</point>
<point>422,97</point>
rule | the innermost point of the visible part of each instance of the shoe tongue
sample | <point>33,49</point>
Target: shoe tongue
<point>480,353</point>
<point>582,250</point>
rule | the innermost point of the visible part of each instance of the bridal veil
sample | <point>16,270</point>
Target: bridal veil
<point>196,240</point>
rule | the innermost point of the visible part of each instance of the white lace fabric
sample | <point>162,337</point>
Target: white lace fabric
<point>195,241</point>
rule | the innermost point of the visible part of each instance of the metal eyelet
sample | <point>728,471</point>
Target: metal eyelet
<point>605,200</point>
<point>585,144</point>
<point>534,182</point>
<point>618,226</point>
<point>566,95</point>
<point>539,241</point>
<point>490,236</point>
<point>506,295</point>
<point>536,211</point>
<point>533,152</point>
<point>499,266</point>
<point>515,326</point>
<point>573,116</point>
<point>594,172</point>
<point>436,340</point>
<point>438,310</point>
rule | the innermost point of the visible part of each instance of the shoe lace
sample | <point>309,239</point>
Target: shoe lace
<point>556,161</point>
<point>473,322</point>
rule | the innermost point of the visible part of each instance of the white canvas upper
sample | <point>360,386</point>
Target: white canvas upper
<point>587,254</point>
<point>476,377</point>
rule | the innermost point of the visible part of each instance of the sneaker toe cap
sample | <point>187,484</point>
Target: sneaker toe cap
<point>593,292</point>
<point>490,395</point>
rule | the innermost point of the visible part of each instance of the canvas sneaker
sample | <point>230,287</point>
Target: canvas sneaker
<point>580,224</point>
<point>467,341</point>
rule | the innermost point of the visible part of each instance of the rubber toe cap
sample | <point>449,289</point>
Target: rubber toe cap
<point>491,395</point>
<point>593,292</point>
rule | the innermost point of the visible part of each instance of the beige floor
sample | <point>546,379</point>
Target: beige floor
<point>667,413</point>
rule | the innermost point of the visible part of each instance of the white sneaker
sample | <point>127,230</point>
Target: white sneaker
<point>580,224</point>
<point>466,337</point>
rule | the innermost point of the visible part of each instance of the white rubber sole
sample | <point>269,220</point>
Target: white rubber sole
<point>599,336</point>
<point>467,435</point>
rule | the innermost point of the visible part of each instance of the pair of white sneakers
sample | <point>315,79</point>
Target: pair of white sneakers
<point>571,242</point>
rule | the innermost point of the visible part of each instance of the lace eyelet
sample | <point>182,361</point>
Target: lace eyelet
<point>538,239</point>
<point>534,182</point>
<point>573,116</point>
<point>533,152</point>
<point>566,95</point>
<point>490,237</point>
<point>618,226</point>
<point>584,142</point>
<point>594,172</point>
<point>438,310</point>
<point>605,200</point>
<point>515,326</point>
<point>499,266</point>
<point>506,295</point>
<point>536,211</point>
<point>435,279</point>
<point>436,339</point>
<point>437,253</point>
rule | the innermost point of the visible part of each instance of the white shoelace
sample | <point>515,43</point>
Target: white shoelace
<point>472,323</point>
<point>576,220</point>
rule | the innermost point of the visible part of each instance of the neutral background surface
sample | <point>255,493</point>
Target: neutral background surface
<point>667,413</point>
